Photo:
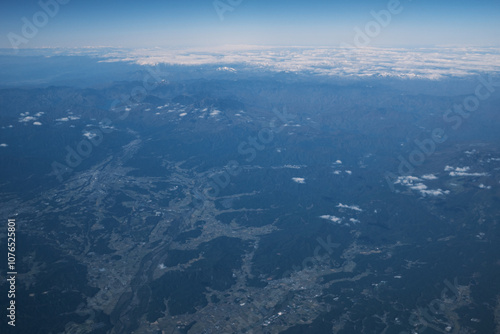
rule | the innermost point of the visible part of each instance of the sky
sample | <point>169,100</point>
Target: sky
<point>206,23</point>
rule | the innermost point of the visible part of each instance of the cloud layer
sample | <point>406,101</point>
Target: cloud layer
<point>429,63</point>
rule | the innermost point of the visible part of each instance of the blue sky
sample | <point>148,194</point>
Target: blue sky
<point>196,23</point>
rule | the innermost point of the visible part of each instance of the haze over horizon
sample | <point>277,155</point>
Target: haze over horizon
<point>199,24</point>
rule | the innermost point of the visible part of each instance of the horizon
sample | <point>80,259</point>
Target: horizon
<point>198,24</point>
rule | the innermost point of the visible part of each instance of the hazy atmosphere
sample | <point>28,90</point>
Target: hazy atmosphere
<point>250,167</point>
<point>274,23</point>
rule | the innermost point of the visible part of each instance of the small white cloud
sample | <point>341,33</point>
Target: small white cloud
<point>338,162</point>
<point>89,134</point>
<point>331,218</point>
<point>300,180</point>
<point>64,119</point>
<point>293,166</point>
<point>3,145</point>
<point>429,177</point>
<point>183,114</point>
<point>354,220</point>
<point>336,172</point>
<point>215,112</point>
<point>406,180</point>
<point>419,186</point>
<point>467,174</point>
<point>436,192</point>
<point>462,171</point>
<point>27,119</point>
<point>37,123</point>
<point>102,126</point>
<point>482,186</point>
<point>352,207</point>
<point>348,172</point>
<point>225,68</point>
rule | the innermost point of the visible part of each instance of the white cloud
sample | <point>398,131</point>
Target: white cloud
<point>294,166</point>
<point>352,207</point>
<point>102,126</point>
<point>68,118</point>
<point>37,123</point>
<point>429,63</point>
<point>429,177</point>
<point>467,174</point>
<point>89,134</point>
<point>225,68</point>
<point>419,186</point>
<point>3,145</point>
<point>299,180</point>
<point>435,192</point>
<point>462,171</point>
<point>408,181</point>
<point>331,218</point>
<point>348,172</point>
<point>215,112</point>
<point>288,166</point>
<point>27,119</point>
